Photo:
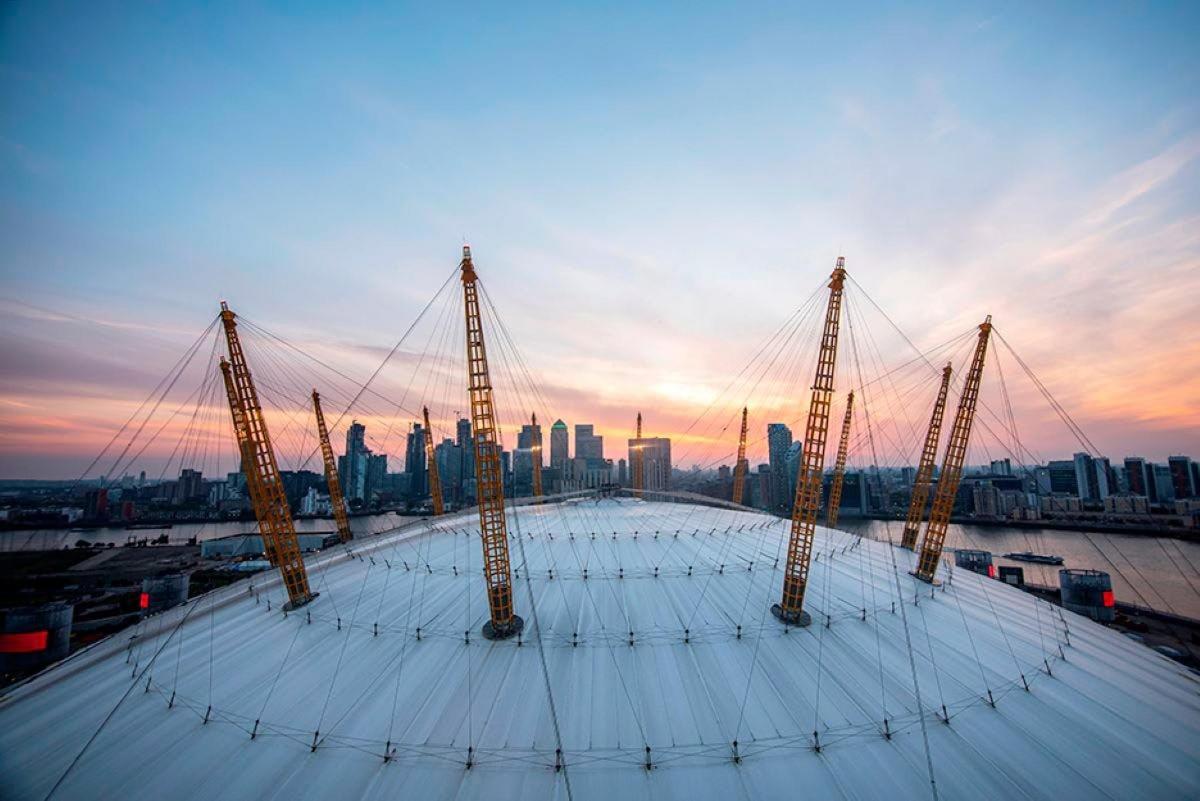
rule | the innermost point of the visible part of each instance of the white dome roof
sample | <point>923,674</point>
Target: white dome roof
<point>1112,719</point>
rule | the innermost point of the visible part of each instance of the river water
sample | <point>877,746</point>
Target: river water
<point>180,533</point>
<point>1156,572</point>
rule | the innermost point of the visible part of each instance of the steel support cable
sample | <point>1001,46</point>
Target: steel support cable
<point>759,367</point>
<point>762,621</point>
<point>441,325</point>
<point>813,321</point>
<point>505,368</point>
<point>428,538</point>
<point>903,447</point>
<point>904,619</point>
<point>342,653</point>
<point>365,387</point>
<point>856,359</point>
<point>176,371</point>
<point>921,355</point>
<point>107,718</point>
<point>1058,408</point>
<point>807,314</point>
<point>541,648</point>
<point>121,464</point>
<point>872,350</point>
<point>762,348</point>
<point>518,368</point>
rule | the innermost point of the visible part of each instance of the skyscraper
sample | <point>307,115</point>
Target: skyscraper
<point>1140,481</point>
<point>587,444</point>
<point>414,462</point>
<point>779,439</point>
<point>352,467</point>
<point>1181,476</point>
<point>559,445</point>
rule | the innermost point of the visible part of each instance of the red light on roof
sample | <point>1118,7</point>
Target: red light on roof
<point>144,601</point>
<point>25,642</point>
<point>1107,598</point>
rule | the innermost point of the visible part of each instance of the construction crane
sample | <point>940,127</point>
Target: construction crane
<point>924,479</point>
<point>639,464</point>
<point>332,480</point>
<point>739,469</point>
<point>839,467</point>
<point>790,609</point>
<point>493,527</point>
<point>536,447</point>
<point>262,471</point>
<point>952,464</point>
<point>435,478</point>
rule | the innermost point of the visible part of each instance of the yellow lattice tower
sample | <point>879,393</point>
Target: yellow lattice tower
<point>493,527</point>
<point>739,469</point>
<point>839,467</point>
<point>262,471</point>
<point>336,502</point>
<point>812,463</point>
<point>639,463</point>
<point>435,476</point>
<point>924,480</point>
<point>952,465</point>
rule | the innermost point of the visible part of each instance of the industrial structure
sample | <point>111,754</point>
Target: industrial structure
<point>924,478</point>
<point>262,471</point>
<point>332,480</point>
<point>952,465</point>
<point>435,476</point>
<point>839,466</point>
<point>653,665</point>
<point>493,526</point>
<point>639,458</point>
<point>742,466</point>
<point>790,609</point>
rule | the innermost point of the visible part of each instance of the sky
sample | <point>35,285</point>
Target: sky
<point>649,191</point>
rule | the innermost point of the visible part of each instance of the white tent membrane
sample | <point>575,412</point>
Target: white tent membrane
<point>897,690</point>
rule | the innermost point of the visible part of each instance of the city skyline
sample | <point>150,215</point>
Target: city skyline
<point>998,172</point>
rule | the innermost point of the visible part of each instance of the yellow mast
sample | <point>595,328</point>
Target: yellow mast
<point>536,448</point>
<point>790,609</point>
<point>739,469</point>
<point>262,471</point>
<point>924,479</point>
<point>952,464</point>
<point>435,478</point>
<point>493,527</point>
<point>336,502</point>
<point>639,465</point>
<point>839,467</point>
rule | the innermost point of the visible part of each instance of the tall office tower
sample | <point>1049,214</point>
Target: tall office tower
<point>560,449</point>
<point>779,439</point>
<point>587,444</point>
<point>352,467</point>
<point>1091,475</point>
<point>464,469</point>
<point>656,461</point>
<point>1139,478</point>
<point>622,473</point>
<point>1181,477</point>
<point>1164,487</point>
<point>376,474</point>
<point>414,462</point>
